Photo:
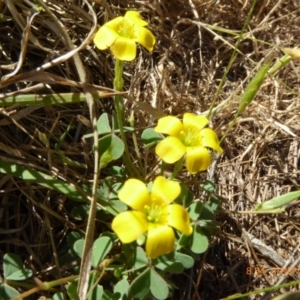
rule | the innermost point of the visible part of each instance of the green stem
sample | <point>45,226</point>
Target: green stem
<point>232,58</point>
<point>136,147</point>
<point>177,168</point>
<point>119,107</point>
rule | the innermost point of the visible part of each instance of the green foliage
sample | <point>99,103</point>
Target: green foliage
<point>150,137</point>
<point>199,242</point>
<point>12,271</point>
<point>110,148</point>
<point>288,296</point>
<point>65,159</point>
<point>278,202</point>
<point>95,290</point>
<point>13,268</point>
<point>101,248</point>
<point>7,292</point>
<point>121,289</point>
<point>124,270</point>
<point>174,262</point>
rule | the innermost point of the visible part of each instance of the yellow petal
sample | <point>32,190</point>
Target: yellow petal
<point>170,149</point>
<point>179,219</point>
<point>135,18</point>
<point>135,194</point>
<point>169,125</point>
<point>124,49</point>
<point>115,24</point>
<point>129,225</point>
<point>197,159</point>
<point>105,37</point>
<point>160,240</point>
<point>210,139</point>
<point>164,191</point>
<point>193,122</point>
<point>145,38</point>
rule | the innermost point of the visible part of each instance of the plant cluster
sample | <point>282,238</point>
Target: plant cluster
<point>155,225</point>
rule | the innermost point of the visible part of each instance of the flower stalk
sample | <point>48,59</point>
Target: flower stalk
<point>119,107</point>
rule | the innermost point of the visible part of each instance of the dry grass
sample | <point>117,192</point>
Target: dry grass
<point>261,157</point>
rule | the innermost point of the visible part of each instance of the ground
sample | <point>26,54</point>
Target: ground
<point>185,73</point>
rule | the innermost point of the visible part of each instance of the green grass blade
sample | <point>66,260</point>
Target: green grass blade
<point>278,202</point>
<point>64,158</point>
<point>252,88</point>
<point>249,94</point>
<point>42,179</point>
<point>49,99</point>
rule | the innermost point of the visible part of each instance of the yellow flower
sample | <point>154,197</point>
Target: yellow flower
<point>121,35</point>
<point>189,137</point>
<point>153,214</point>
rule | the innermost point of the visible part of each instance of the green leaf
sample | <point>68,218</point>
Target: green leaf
<point>72,237</point>
<point>7,292</point>
<point>208,186</point>
<point>72,290</point>
<point>184,240</point>
<point>215,202</point>
<point>68,254</point>
<point>140,258</point>
<point>41,179</point>
<point>140,286</point>
<point>168,263</point>
<point>278,202</point>
<point>170,266</point>
<point>174,262</point>
<point>58,296</point>
<point>186,196</point>
<point>150,137</point>
<point>122,288</point>
<point>107,295</point>
<point>159,288</point>
<point>117,171</point>
<point>288,296</point>
<point>96,293</point>
<point>252,88</point>
<point>101,248</point>
<point>110,148</point>
<point>103,126</point>
<point>11,264</point>
<point>20,275</point>
<point>81,212</point>
<point>186,260</point>
<point>195,210</point>
<point>78,247</point>
<point>125,129</point>
<point>107,195</point>
<point>13,268</point>
<point>199,241</point>
<point>207,213</point>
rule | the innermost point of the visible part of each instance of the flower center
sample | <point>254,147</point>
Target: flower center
<point>126,29</point>
<point>156,214</point>
<point>191,137</point>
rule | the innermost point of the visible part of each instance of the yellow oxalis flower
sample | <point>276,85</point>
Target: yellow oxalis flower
<point>190,138</point>
<point>153,213</point>
<point>121,35</point>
